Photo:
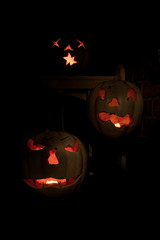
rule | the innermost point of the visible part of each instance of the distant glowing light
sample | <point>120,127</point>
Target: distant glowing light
<point>70,60</point>
<point>68,48</point>
<point>55,43</point>
<point>81,44</point>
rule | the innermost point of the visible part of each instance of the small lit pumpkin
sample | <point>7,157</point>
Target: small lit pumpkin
<point>115,107</point>
<point>70,55</point>
<point>55,163</point>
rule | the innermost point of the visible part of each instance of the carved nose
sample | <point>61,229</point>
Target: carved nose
<point>113,103</point>
<point>53,158</point>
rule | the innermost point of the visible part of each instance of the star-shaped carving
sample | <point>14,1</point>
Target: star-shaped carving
<point>70,60</point>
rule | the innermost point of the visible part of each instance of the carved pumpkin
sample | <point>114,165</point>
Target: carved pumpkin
<point>115,107</point>
<point>55,163</point>
<point>70,55</point>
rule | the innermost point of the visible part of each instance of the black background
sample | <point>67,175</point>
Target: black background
<point>115,34</point>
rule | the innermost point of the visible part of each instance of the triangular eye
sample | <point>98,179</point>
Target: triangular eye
<point>101,94</point>
<point>34,147</point>
<point>74,148</point>
<point>131,93</point>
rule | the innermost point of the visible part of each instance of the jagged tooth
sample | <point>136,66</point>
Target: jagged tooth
<point>59,183</point>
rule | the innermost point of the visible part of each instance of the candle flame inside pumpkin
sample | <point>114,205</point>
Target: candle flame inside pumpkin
<point>52,160</point>
<point>116,120</point>
<point>44,182</point>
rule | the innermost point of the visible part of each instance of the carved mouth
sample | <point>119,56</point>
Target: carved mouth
<point>47,182</point>
<point>116,120</point>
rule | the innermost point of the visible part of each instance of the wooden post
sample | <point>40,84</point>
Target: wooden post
<point>121,72</point>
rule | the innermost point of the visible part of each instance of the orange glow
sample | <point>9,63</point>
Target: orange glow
<point>33,147</point>
<point>113,103</point>
<point>68,48</point>
<point>101,94</point>
<point>52,158</point>
<point>117,125</point>
<point>131,93</point>
<point>74,148</point>
<point>70,60</point>
<point>55,43</point>
<point>44,182</point>
<point>51,180</point>
<point>116,120</point>
<point>81,44</point>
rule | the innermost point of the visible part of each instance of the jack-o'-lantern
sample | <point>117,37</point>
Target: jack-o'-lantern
<point>70,55</point>
<point>55,163</point>
<point>115,107</point>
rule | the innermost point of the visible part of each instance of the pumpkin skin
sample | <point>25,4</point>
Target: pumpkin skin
<point>69,56</point>
<point>55,163</point>
<point>115,108</point>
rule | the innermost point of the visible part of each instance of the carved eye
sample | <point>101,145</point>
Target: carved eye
<point>81,44</point>
<point>74,148</point>
<point>131,93</point>
<point>101,94</point>
<point>55,43</point>
<point>34,147</point>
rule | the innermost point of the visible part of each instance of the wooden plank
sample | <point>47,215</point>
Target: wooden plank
<point>73,82</point>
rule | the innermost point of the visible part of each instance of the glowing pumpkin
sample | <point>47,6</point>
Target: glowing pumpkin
<point>71,55</point>
<point>115,107</point>
<point>55,163</point>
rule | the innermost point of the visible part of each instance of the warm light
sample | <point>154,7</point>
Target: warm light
<point>70,60</point>
<point>101,94</point>
<point>44,182</point>
<point>34,147</point>
<point>116,120</point>
<point>131,93</point>
<point>74,148</point>
<point>81,44</point>
<point>53,158</point>
<point>68,48</point>
<point>117,125</point>
<point>113,103</point>
<point>50,180</point>
<point>55,43</point>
